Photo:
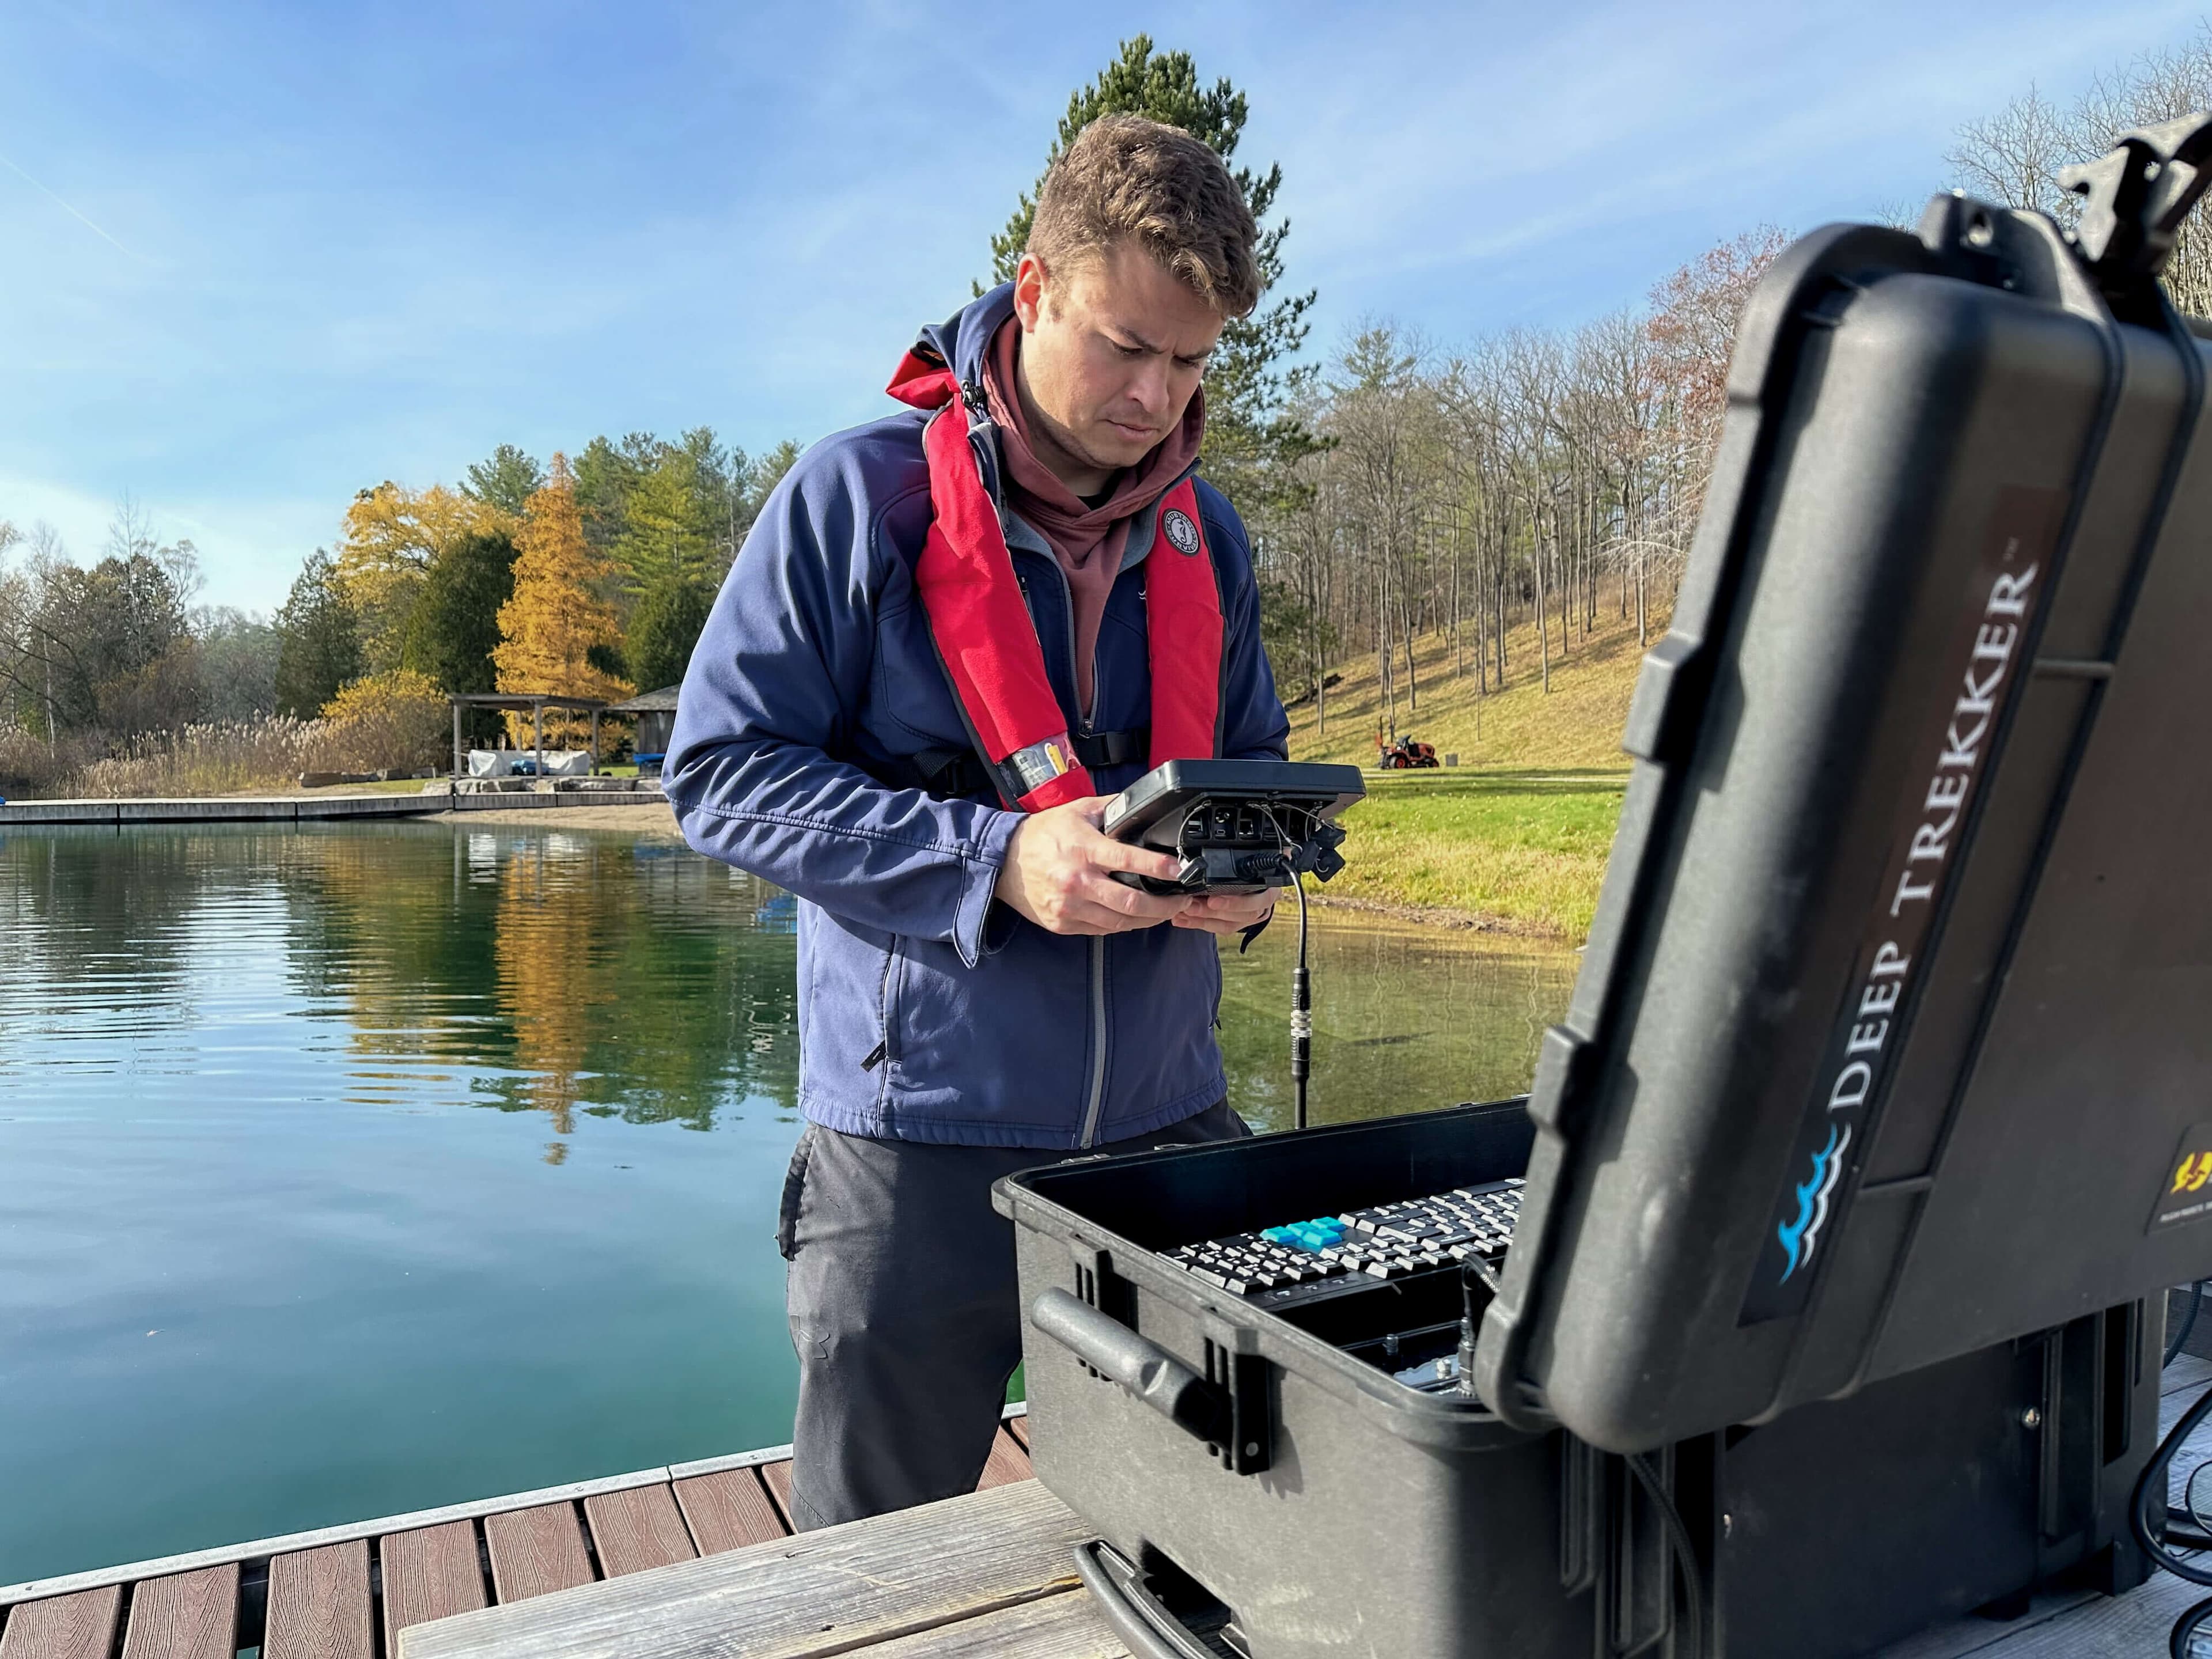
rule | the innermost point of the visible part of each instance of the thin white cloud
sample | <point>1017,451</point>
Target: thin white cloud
<point>74,213</point>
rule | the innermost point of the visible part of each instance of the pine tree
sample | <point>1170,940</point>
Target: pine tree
<point>454,627</point>
<point>556,619</point>
<point>506,480</point>
<point>665,625</point>
<point>318,639</point>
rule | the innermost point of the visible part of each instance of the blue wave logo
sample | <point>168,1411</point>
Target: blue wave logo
<point>1799,1236</point>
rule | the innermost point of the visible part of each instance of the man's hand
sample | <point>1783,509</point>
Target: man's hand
<point>1059,874</point>
<point>1228,913</point>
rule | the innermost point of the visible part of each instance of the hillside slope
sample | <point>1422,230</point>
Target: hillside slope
<point>1577,726</point>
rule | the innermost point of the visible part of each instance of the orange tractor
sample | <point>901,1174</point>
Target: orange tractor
<point>1407,752</point>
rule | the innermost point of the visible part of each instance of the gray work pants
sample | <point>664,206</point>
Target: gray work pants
<point>903,1310</point>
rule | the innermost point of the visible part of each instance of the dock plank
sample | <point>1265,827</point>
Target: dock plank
<point>319,1605</point>
<point>637,1530</point>
<point>1007,1463</point>
<point>1068,1626</point>
<point>832,1591</point>
<point>433,1573</point>
<point>727,1511</point>
<point>80,1627</point>
<point>188,1615</point>
<point>776,1477</point>
<point>535,1551</point>
<point>293,1543</point>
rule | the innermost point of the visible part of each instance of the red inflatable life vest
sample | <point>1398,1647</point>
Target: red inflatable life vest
<point>988,644</point>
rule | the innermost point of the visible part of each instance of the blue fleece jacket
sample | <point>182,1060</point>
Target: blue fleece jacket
<point>928,1011</point>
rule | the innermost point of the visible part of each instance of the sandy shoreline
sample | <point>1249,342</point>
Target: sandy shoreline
<point>653,820</point>
<point>1435,917</point>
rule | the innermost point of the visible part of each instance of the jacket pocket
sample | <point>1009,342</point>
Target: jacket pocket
<point>795,1192</point>
<point>1003,1042</point>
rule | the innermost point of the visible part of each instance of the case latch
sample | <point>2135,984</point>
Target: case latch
<point>1243,1378</point>
<point>2136,197</point>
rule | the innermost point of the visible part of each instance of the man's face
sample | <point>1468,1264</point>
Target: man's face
<point>1112,351</point>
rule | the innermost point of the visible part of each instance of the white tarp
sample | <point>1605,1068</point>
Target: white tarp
<point>508,762</point>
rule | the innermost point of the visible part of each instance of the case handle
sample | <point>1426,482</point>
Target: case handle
<point>1147,1371</point>
<point>1146,1628</point>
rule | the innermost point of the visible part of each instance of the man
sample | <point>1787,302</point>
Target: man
<point>953,634</point>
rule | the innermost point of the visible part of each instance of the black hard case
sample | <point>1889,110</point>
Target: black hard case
<point>1955,540</point>
<point>1346,1514</point>
<point>1912,421</point>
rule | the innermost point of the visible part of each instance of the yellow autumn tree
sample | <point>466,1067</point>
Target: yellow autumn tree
<point>396,720</point>
<point>391,537</point>
<point>549,630</point>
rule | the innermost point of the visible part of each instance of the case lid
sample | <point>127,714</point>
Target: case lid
<point>1894,1036</point>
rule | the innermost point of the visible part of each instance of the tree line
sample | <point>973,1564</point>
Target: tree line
<point>588,579</point>
<point>1537,480</point>
<point>591,579</point>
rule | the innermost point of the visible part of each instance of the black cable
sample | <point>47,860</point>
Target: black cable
<point>1301,1016</point>
<point>2175,1343</point>
<point>1301,982</point>
<point>1685,1553</point>
<point>2154,1480</point>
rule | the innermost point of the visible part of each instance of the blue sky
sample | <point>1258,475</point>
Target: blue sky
<point>256,256</point>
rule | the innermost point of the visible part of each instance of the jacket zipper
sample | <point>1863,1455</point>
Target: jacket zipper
<point>1095,1105</point>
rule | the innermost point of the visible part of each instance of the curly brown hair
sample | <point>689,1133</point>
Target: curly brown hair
<point>1125,178</point>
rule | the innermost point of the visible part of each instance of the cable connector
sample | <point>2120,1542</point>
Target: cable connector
<point>1317,855</point>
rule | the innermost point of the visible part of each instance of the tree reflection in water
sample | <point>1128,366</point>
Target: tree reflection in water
<point>554,971</point>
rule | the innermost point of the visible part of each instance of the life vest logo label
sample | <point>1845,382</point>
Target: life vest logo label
<point>1182,533</point>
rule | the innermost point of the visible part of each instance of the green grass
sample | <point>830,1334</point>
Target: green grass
<point>1525,851</point>
<point>1515,835</point>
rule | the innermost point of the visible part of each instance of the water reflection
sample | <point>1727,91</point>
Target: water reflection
<point>551,972</point>
<point>1407,1019</point>
<point>567,972</point>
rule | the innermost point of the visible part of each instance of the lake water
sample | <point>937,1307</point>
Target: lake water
<point>355,1170</point>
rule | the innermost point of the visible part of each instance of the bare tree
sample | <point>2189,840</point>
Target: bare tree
<point>2013,156</point>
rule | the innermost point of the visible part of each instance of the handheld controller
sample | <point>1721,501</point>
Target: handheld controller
<point>1236,826</point>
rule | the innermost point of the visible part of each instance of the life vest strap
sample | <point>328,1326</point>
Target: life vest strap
<point>953,772</point>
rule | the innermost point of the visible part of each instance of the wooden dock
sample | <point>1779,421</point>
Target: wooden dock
<point>347,1592</point>
<point>698,1561</point>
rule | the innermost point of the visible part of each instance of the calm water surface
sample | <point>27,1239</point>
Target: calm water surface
<point>353,1170</point>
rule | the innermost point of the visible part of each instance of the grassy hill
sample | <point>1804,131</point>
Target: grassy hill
<point>1575,727</point>
<point>1515,836</point>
